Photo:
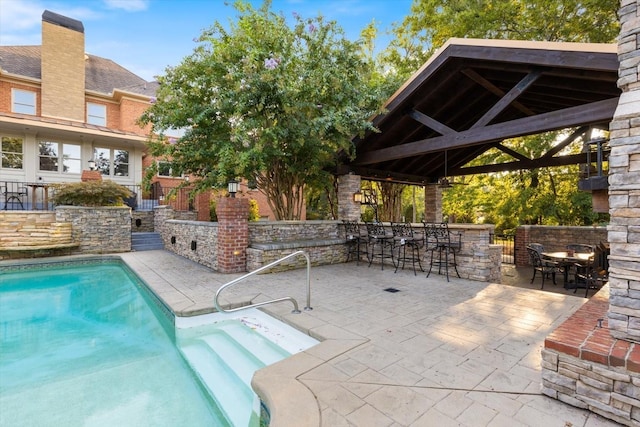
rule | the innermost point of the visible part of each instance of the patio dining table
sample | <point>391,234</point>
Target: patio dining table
<point>566,259</point>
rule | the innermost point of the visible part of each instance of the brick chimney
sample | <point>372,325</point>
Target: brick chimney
<point>62,67</point>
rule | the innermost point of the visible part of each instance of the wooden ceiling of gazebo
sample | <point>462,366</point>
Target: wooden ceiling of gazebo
<point>473,94</point>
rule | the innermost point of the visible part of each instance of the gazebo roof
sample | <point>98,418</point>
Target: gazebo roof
<point>472,94</point>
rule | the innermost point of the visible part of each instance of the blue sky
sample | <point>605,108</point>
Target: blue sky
<point>145,36</point>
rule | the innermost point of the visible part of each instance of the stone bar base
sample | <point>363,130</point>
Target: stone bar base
<point>584,366</point>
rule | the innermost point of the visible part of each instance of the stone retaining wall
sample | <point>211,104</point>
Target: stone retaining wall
<point>98,230</point>
<point>29,234</point>
<point>194,240</point>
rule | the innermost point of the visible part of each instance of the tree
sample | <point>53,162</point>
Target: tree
<point>265,101</point>
<point>432,22</point>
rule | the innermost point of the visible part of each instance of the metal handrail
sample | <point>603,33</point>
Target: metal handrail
<point>261,269</point>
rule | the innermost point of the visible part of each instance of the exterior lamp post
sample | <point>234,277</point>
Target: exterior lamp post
<point>232,188</point>
<point>92,164</point>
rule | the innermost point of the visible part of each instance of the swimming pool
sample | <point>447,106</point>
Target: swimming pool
<point>86,344</point>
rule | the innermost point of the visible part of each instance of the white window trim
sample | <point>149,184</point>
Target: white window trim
<point>31,107</point>
<point>95,119</point>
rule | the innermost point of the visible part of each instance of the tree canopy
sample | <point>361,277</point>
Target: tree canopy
<point>267,101</point>
<point>432,22</point>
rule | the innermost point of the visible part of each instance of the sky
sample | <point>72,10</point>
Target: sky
<point>146,36</point>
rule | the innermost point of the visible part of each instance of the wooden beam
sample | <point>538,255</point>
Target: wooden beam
<point>512,153</point>
<point>508,98</point>
<point>595,112</point>
<point>570,159</point>
<point>431,123</point>
<point>473,75</point>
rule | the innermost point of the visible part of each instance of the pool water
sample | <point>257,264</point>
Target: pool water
<point>87,345</point>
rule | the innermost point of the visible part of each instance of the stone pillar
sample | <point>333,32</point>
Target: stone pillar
<point>233,234</point>
<point>624,184</point>
<point>432,203</point>
<point>347,208</point>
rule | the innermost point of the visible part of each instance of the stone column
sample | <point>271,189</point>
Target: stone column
<point>233,234</point>
<point>432,203</point>
<point>347,208</point>
<point>624,184</point>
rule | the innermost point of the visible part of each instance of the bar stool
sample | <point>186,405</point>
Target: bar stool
<point>377,241</point>
<point>443,248</point>
<point>404,238</point>
<point>354,239</point>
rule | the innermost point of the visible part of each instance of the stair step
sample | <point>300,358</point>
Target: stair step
<point>146,241</point>
<point>221,382</point>
<point>260,347</point>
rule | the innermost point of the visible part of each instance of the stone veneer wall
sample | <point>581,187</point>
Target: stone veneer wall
<point>432,203</point>
<point>282,231</point>
<point>624,183</point>
<point>478,259</point>
<point>583,365</point>
<point>554,238</point>
<point>98,230</point>
<point>194,240</point>
<point>142,221</point>
<point>347,208</point>
<point>269,232</point>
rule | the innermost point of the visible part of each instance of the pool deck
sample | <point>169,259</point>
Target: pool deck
<point>435,353</point>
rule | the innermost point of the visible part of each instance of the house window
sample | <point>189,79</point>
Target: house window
<point>23,101</point>
<point>12,152</point>
<point>96,114</point>
<point>59,157</point>
<point>112,162</point>
<point>165,170</point>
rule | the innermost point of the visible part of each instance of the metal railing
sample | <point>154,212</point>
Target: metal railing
<point>38,196</point>
<point>507,241</point>
<point>261,269</point>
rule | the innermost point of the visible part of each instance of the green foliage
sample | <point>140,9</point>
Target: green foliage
<point>432,22</point>
<point>254,210</point>
<point>91,193</point>
<point>265,101</point>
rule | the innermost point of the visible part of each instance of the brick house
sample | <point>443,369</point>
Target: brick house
<point>61,108</point>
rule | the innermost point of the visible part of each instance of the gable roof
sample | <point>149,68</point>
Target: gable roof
<point>472,94</point>
<point>101,75</point>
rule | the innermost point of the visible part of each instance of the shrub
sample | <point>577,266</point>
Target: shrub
<point>91,193</point>
<point>254,210</point>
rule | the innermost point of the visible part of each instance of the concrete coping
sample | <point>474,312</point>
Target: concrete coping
<point>294,244</point>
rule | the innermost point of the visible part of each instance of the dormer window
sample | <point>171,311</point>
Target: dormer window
<point>96,114</point>
<point>23,101</point>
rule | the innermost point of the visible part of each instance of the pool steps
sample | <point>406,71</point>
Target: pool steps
<point>220,355</point>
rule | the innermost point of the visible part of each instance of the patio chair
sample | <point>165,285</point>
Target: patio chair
<point>580,248</point>
<point>545,267</point>
<point>539,247</point>
<point>354,239</point>
<point>404,238</point>
<point>594,275</point>
<point>13,195</point>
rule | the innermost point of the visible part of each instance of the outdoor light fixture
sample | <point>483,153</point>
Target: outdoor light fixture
<point>357,197</point>
<point>92,164</point>
<point>232,188</point>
